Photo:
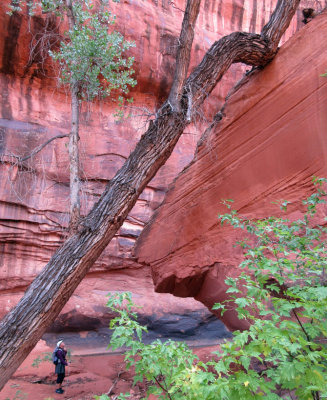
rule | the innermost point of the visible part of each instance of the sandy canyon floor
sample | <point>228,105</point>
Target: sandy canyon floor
<point>90,373</point>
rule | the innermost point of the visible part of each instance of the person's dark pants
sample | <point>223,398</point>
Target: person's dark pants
<point>60,378</point>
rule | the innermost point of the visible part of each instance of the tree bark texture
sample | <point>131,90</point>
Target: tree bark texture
<point>46,296</point>
<point>74,176</point>
<point>183,54</point>
<point>73,150</point>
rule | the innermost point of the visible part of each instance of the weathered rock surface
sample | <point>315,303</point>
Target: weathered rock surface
<point>269,145</point>
<point>34,197</point>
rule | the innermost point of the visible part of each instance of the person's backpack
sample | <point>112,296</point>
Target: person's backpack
<point>55,358</point>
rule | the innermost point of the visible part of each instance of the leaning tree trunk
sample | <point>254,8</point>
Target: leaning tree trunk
<point>44,299</point>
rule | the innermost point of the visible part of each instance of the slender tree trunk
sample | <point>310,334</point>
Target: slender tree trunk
<point>74,174</point>
<point>44,299</point>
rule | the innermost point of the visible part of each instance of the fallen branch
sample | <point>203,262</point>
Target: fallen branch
<point>114,384</point>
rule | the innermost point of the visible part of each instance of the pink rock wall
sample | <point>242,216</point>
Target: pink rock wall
<point>34,199</point>
<point>269,145</point>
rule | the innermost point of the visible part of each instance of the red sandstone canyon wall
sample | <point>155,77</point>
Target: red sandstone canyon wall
<point>34,199</point>
<point>270,143</point>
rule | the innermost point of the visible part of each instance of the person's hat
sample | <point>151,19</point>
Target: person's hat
<point>59,343</point>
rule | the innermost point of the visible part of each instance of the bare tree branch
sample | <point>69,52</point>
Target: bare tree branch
<point>42,41</point>
<point>281,17</point>
<point>20,160</point>
<point>114,384</point>
<point>249,48</point>
<point>184,53</point>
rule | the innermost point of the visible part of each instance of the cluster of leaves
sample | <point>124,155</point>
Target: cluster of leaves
<point>92,58</point>
<point>158,363</point>
<point>34,5</point>
<point>91,55</point>
<point>282,292</point>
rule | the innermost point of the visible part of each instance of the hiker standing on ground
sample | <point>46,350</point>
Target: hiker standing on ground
<point>60,367</point>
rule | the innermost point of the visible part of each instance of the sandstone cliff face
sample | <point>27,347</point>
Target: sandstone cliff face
<point>268,146</point>
<point>34,197</point>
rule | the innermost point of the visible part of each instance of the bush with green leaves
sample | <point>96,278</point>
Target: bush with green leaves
<point>92,57</point>
<point>91,54</point>
<point>282,292</point>
<point>158,363</point>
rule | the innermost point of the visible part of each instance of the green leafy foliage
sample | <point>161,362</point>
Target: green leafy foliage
<point>39,360</point>
<point>158,363</point>
<point>91,55</point>
<point>282,292</point>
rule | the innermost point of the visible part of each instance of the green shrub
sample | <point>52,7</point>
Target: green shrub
<point>282,292</point>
